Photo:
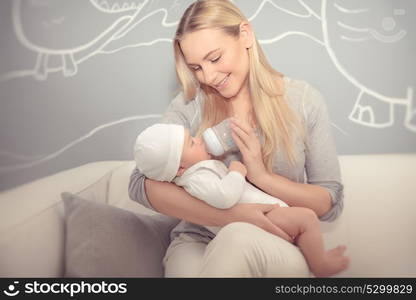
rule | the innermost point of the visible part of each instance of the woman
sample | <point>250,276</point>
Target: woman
<point>223,72</point>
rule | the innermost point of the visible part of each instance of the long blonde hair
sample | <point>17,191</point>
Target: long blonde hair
<point>275,119</point>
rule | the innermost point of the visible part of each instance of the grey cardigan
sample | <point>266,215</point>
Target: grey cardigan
<point>316,157</point>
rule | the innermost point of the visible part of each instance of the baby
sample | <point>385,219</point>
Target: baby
<point>167,152</point>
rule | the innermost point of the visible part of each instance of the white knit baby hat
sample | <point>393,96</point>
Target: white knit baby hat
<point>158,151</point>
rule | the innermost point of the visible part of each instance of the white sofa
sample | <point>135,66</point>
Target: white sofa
<point>377,223</point>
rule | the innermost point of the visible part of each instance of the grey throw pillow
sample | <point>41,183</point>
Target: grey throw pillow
<point>106,241</point>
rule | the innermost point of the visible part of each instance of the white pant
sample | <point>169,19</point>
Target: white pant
<point>239,250</point>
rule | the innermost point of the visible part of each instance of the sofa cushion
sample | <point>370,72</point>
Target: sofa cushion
<point>106,241</point>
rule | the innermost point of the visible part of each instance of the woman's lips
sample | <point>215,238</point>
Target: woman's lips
<point>223,82</point>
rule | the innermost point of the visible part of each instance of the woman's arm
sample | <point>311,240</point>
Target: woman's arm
<point>323,192</point>
<point>293,193</point>
<point>171,200</point>
<point>311,196</point>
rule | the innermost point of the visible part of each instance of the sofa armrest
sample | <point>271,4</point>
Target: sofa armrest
<point>31,220</point>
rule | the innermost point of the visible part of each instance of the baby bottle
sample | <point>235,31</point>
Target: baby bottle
<point>218,139</point>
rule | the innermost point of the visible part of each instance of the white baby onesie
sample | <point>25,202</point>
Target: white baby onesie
<point>211,181</point>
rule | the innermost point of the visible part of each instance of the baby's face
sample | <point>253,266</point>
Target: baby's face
<point>193,151</point>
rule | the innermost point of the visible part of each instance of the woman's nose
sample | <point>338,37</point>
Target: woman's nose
<point>209,75</point>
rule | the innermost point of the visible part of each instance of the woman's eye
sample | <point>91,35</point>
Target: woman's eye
<point>216,59</point>
<point>195,68</point>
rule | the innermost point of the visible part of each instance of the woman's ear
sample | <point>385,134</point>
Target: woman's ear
<point>246,34</point>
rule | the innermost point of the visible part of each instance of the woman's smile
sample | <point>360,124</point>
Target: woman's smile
<point>223,83</point>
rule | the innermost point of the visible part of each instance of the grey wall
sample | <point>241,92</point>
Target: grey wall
<point>80,79</point>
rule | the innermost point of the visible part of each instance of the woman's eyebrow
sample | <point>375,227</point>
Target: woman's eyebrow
<point>210,52</point>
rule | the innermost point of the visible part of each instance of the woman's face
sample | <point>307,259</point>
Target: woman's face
<point>218,59</point>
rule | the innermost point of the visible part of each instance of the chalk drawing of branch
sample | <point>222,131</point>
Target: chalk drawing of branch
<point>40,160</point>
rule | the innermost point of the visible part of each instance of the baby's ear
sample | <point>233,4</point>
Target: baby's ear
<point>180,171</point>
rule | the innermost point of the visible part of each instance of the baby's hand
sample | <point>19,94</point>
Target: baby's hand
<point>237,166</point>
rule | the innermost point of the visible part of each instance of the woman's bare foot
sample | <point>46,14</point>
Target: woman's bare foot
<point>334,262</point>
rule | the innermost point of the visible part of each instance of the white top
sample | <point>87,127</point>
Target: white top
<point>211,181</point>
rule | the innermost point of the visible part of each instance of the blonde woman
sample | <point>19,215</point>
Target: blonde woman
<point>223,73</point>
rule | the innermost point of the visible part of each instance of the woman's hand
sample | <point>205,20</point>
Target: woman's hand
<point>248,142</point>
<point>254,213</point>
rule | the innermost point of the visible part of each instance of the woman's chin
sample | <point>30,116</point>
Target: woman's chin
<point>228,95</point>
